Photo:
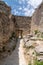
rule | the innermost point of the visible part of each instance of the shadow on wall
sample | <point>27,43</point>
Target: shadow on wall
<point>12,59</point>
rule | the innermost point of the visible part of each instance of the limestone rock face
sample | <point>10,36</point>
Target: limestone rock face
<point>6,28</point>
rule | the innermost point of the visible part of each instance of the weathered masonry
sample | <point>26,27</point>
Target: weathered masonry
<point>6,30</point>
<point>23,25</point>
<point>37,19</point>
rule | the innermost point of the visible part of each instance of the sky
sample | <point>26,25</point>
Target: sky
<point>23,7</point>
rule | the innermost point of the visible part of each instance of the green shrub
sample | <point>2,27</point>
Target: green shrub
<point>29,64</point>
<point>36,31</point>
<point>42,34</point>
<point>33,53</point>
<point>38,62</point>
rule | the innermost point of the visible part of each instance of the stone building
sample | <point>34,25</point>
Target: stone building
<point>37,19</point>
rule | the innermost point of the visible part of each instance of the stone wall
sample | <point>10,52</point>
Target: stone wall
<point>7,31</point>
<point>4,8</point>
<point>23,23</point>
<point>37,19</point>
